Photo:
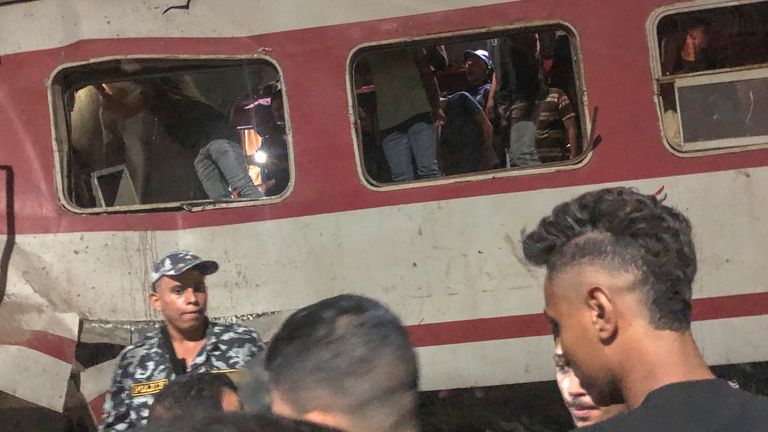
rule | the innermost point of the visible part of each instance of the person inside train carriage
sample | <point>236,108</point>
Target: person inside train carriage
<point>620,267</point>
<point>198,128</point>
<point>345,362</point>
<point>272,155</point>
<point>556,133</point>
<point>478,69</point>
<point>561,75</point>
<point>515,59</point>
<point>186,343</point>
<point>408,110</point>
<point>583,410</point>
<point>539,120</point>
<point>195,393</point>
<point>466,138</point>
<point>689,51</point>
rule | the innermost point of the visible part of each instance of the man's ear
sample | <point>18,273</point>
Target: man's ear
<point>602,310</point>
<point>154,300</point>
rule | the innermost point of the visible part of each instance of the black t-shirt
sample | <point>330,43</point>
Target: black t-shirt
<point>193,123</point>
<point>700,406</point>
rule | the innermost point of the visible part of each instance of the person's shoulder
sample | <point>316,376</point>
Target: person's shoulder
<point>746,412</point>
<point>148,343</point>
<point>138,355</point>
<point>465,100</point>
<point>230,331</point>
<point>751,402</point>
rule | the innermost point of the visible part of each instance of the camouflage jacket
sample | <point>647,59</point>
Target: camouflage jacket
<point>143,369</point>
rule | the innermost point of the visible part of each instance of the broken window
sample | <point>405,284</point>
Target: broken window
<point>712,76</point>
<point>467,104</point>
<point>143,133</point>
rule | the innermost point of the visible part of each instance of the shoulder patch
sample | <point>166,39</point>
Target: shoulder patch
<point>147,388</point>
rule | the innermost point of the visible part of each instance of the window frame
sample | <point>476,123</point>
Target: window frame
<point>740,73</point>
<point>60,123</point>
<point>582,105</point>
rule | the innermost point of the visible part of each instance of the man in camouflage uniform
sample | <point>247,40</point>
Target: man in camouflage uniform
<point>187,343</point>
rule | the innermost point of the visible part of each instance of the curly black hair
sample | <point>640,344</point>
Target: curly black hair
<point>623,228</point>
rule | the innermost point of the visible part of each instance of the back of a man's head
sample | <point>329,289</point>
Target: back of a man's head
<point>233,422</point>
<point>625,230</point>
<point>346,362</point>
<point>195,393</point>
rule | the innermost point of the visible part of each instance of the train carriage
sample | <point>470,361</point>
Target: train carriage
<point>87,206</point>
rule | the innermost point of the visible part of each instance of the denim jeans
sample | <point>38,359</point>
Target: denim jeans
<point>418,142</point>
<point>522,144</point>
<point>222,169</point>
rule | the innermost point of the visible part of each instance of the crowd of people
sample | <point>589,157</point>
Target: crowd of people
<point>501,102</point>
<point>620,267</point>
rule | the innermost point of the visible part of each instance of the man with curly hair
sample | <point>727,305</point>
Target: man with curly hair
<point>620,266</point>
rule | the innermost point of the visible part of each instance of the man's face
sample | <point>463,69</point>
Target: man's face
<point>476,70</point>
<point>580,405</point>
<point>565,295</point>
<point>181,299</point>
<point>698,38</point>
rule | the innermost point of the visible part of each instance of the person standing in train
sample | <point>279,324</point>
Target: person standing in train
<point>408,111</point>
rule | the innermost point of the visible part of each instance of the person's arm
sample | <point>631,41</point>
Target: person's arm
<point>117,406</point>
<point>490,104</point>
<point>570,128</point>
<point>430,86</point>
<point>568,117</point>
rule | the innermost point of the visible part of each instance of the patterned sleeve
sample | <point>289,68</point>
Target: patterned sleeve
<point>243,344</point>
<point>117,404</point>
<point>564,106</point>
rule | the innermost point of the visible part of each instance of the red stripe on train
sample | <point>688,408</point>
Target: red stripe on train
<point>96,406</point>
<point>741,305</point>
<point>465,331</point>
<point>58,347</point>
<point>520,326</point>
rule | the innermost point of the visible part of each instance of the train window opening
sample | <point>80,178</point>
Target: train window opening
<point>165,133</point>
<point>712,77</point>
<point>468,104</point>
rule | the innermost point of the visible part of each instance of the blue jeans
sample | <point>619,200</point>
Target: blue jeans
<point>522,144</point>
<point>222,169</point>
<point>418,142</point>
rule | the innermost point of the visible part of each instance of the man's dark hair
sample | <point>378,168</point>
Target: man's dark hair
<point>698,22</point>
<point>346,354</point>
<point>622,228</point>
<point>233,422</point>
<point>189,393</point>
